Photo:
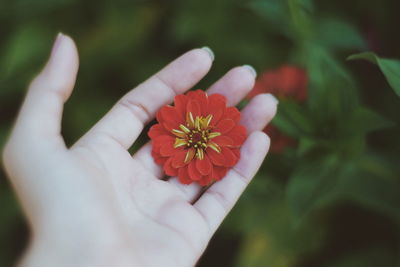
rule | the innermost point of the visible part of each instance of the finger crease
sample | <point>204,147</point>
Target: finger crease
<point>241,176</point>
<point>166,84</point>
<point>185,194</point>
<point>220,199</point>
<point>110,137</point>
<point>138,110</point>
<point>206,221</point>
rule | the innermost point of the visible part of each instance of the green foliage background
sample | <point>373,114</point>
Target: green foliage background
<point>333,200</point>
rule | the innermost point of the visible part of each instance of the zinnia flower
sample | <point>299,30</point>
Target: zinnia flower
<point>197,139</point>
<point>285,82</point>
<point>279,141</point>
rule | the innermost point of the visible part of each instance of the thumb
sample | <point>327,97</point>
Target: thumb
<point>39,120</point>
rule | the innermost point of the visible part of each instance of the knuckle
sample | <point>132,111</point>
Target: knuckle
<point>244,179</point>
<point>138,110</point>
<point>221,200</point>
<point>46,84</point>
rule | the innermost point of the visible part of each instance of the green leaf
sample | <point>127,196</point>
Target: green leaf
<point>293,119</point>
<point>270,9</point>
<point>378,166</point>
<point>28,44</point>
<point>363,120</point>
<point>338,34</point>
<point>312,183</point>
<point>365,188</point>
<point>389,67</point>
<point>331,88</point>
<point>274,11</point>
<point>330,179</point>
<point>308,5</point>
<point>302,22</point>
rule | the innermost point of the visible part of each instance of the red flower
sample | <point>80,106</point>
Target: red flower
<point>279,141</point>
<point>284,82</point>
<point>197,139</point>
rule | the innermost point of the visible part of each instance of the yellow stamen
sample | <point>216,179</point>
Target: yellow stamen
<point>180,142</point>
<point>214,147</point>
<point>214,134</point>
<point>189,155</point>
<point>200,153</point>
<point>207,121</point>
<point>196,136</point>
<point>190,120</point>
<point>179,133</point>
<point>184,129</point>
<point>197,123</point>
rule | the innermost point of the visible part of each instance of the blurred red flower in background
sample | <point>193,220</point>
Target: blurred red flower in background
<point>285,82</point>
<point>197,139</point>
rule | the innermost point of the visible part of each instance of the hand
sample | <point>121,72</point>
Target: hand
<point>95,204</point>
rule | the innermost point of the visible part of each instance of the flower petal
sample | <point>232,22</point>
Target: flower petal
<point>183,176</point>
<point>205,180</point>
<point>224,126</point>
<point>194,174</point>
<point>239,129</point>
<point>193,106</point>
<point>161,140</point>
<point>219,172</point>
<point>208,178</point>
<point>180,103</point>
<point>201,97</point>
<point>233,114</point>
<point>158,158</point>
<point>216,107</point>
<point>204,165</point>
<point>169,170</point>
<point>215,157</point>
<point>230,157</point>
<point>178,160</point>
<point>223,140</point>
<point>238,139</point>
<point>236,152</point>
<point>169,118</point>
<point>157,130</point>
<point>167,149</point>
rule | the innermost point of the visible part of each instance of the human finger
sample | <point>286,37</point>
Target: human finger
<point>39,120</point>
<point>216,202</point>
<point>125,121</point>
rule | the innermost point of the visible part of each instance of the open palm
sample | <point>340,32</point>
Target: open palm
<point>99,205</point>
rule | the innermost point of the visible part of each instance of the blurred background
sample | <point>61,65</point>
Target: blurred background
<point>328,193</point>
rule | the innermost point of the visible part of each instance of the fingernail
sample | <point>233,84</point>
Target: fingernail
<point>273,98</point>
<point>209,51</point>
<point>251,69</point>
<point>56,44</point>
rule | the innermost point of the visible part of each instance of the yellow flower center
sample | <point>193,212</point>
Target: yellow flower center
<point>196,135</point>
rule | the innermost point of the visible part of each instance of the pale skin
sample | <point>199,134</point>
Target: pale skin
<point>95,204</point>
